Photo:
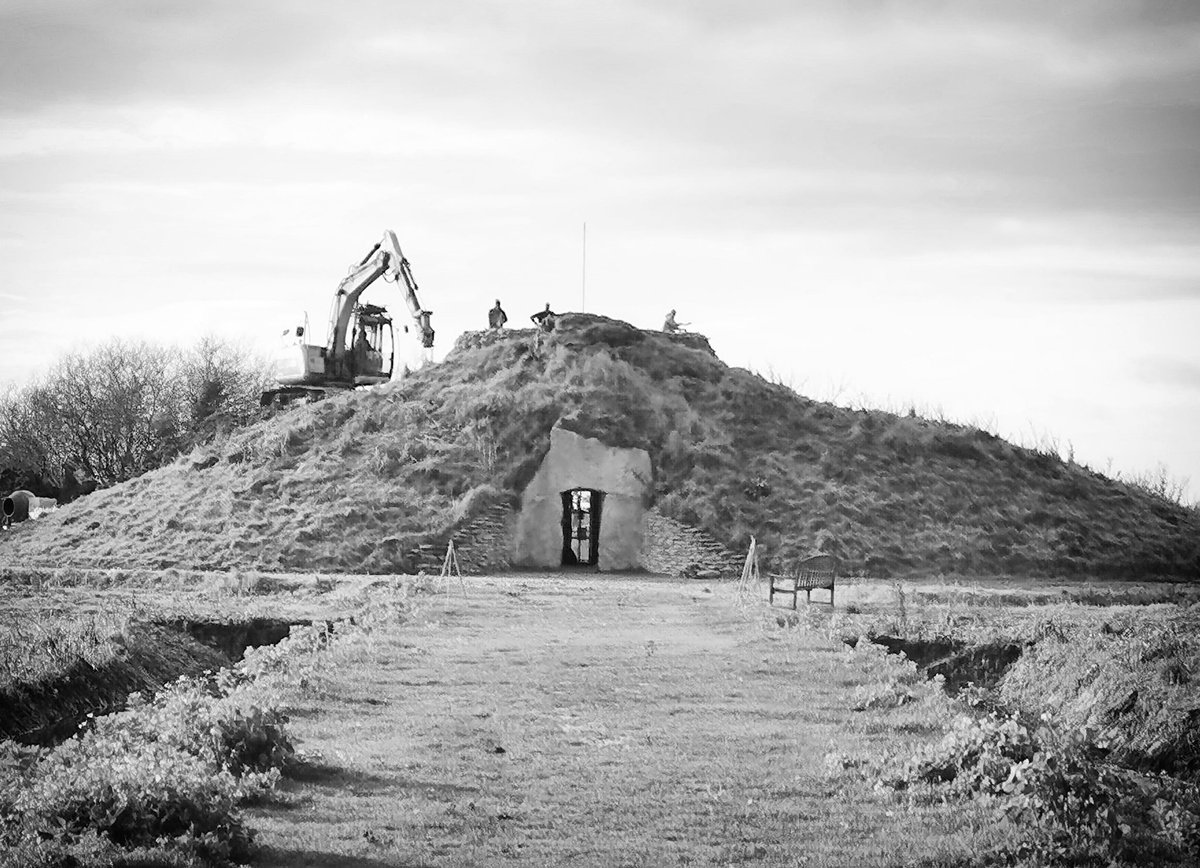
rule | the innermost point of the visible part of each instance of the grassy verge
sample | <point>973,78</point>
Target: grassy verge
<point>53,621</point>
<point>165,781</point>
<point>74,642</point>
<point>47,689</point>
<point>1085,749</point>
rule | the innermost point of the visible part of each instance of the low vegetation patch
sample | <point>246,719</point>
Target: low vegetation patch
<point>1131,679</point>
<point>163,781</point>
<point>165,776</point>
<point>1084,751</point>
<point>1068,803</point>
<point>38,647</point>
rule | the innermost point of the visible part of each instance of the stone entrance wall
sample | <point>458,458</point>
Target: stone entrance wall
<point>574,461</point>
<point>632,537</point>
<point>672,548</point>
<point>483,545</point>
<point>669,547</point>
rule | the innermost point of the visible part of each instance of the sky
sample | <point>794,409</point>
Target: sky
<point>988,211</point>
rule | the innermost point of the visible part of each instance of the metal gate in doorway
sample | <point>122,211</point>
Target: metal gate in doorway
<point>581,526</point>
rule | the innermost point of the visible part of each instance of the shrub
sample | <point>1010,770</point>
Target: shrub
<point>159,784</point>
<point>33,851</point>
<point>156,784</point>
<point>1074,809</point>
<point>134,799</point>
<point>1067,804</point>
<point>975,756</point>
<point>295,659</point>
<point>231,730</point>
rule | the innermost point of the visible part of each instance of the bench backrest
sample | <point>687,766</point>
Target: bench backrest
<point>818,570</point>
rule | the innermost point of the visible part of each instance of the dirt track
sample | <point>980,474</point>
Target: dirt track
<point>585,720</point>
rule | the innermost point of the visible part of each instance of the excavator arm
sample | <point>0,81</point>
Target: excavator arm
<point>384,260</point>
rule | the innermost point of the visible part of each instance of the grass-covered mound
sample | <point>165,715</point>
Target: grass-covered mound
<point>355,482</point>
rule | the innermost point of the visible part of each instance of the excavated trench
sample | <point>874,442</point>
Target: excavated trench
<point>959,663</point>
<point>1174,750</point>
<point>145,658</point>
<point>232,639</point>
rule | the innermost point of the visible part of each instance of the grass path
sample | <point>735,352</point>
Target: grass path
<point>590,721</point>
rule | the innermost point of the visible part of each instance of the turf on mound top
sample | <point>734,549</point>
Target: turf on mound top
<point>355,482</point>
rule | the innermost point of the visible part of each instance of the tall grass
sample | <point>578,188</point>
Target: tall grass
<point>39,646</point>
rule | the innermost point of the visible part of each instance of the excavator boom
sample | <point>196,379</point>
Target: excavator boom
<point>384,260</point>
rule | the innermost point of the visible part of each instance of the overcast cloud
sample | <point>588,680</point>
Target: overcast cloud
<point>989,208</point>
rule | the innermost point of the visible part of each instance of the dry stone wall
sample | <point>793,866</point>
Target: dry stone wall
<point>482,544</point>
<point>673,548</point>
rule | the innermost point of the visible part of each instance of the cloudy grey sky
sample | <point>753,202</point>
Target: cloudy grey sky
<point>988,208</point>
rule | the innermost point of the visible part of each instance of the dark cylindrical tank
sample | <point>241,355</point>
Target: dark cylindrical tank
<point>16,506</point>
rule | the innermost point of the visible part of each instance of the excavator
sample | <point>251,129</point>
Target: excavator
<point>361,336</point>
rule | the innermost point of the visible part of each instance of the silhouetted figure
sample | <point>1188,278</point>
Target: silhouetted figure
<point>670,326</point>
<point>362,350</point>
<point>497,317</point>
<point>545,319</point>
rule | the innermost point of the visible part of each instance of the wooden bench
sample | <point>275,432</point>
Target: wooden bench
<point>817,573</point>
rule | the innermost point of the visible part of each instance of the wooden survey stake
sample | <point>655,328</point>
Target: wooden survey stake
<point>750,571</point>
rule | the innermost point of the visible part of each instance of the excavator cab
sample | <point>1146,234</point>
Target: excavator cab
<point>372,353</point>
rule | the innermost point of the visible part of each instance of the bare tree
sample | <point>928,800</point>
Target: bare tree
<point>114,412</point>
<point>23,446</point>
<point>223,382</point>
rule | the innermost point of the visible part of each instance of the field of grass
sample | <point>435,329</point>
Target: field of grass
<point>601,720</point>
<point>641,723</point>
<point>543,721</point>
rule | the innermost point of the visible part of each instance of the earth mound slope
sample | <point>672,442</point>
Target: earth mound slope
<point>355,482</point>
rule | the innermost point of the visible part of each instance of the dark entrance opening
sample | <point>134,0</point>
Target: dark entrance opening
<point>581,527</point>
